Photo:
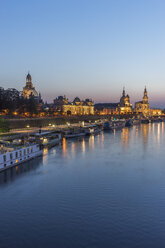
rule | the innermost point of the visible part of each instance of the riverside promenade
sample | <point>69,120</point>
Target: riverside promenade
<point>24,123</point>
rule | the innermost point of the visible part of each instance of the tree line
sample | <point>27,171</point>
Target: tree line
<point>11,101</point>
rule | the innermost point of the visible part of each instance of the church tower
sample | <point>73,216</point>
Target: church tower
<point>145,97</point>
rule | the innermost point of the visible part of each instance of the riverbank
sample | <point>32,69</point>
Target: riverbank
<point>16,123</point>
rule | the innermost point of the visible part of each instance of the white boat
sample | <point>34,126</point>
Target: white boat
<point>10,157</point>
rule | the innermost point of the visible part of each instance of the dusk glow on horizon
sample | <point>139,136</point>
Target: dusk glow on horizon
<point>90,48</point>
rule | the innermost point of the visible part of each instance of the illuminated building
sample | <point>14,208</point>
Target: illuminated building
<point>122,107</point>
<point>125,107</point>
<point>29,89</point>
<point>142,107</point>
<point>107,108</point>
<point>77,107</point>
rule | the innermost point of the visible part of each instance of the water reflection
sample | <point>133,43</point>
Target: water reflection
<point>73,149</point>
<point>83,146</point>
<point>102,139</point>
<point>125,137</point>
<point>64,149</point>
<point>145,134</point>
<point>145,129</point>
<point>45,156</point>
<point>92,142</point>
<point>158,133</point>
<point>13,173</point>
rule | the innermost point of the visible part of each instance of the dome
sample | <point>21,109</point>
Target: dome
<point>77,99</point>
<point>29,92</point>
<point>29,89</point>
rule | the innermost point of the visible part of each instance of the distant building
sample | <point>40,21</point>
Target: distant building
<point>125,107</point>
<point>29,89</point>
<point>142,107</point>
<point>107,108</point>
<point>77,107</point>
<point>122,107</point>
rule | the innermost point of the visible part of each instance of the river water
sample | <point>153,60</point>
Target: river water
<point>98,192</point>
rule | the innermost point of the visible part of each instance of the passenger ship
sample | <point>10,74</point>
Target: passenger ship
<point>10,157</point>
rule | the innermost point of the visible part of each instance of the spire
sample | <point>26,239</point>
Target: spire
<point>145,91</point>
<point>145,97</point>
<point>124,91</point>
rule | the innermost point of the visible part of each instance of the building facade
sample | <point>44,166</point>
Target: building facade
<point>142,107</point>
<point>77,107</point>
<point>125,107</point>
<point>107,108</point>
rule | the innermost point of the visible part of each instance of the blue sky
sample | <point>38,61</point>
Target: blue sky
<point>85,48</point>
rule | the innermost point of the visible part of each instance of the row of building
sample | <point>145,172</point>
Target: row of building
<point>124,107</point>
<point>63,106</point>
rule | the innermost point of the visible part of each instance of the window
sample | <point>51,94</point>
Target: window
<point>11,156</point>
<point>20,153</point>
<point>4,158</point>
<point>24,152</point>
<point>31,150</point>
<point>28,150</point>
<point>16,154</point>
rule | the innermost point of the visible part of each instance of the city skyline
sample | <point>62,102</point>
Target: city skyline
<point>29,78</point>
<point>89,48</point>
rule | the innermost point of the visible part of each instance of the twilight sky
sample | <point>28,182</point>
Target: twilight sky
<point>85,48</point>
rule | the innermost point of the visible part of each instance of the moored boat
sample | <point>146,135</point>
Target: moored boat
<point>92,129</point>
<point>73,133</point>
<point>107,126</point>
<point>144,121</point>
<point>10,157</point>
<point>129,123</point>
<point>51,140</point>
<point>136,122</point>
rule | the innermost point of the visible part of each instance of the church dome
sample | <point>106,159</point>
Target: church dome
<point>29,89</point>
<point>77,99</point>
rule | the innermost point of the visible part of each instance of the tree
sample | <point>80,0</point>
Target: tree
<point>32,105</point>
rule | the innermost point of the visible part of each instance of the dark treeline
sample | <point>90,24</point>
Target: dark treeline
<point>12,102</point>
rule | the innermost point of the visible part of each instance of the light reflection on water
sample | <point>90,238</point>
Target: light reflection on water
<point>100,191</point>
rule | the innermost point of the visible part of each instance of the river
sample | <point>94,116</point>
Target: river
<point>104,191</point>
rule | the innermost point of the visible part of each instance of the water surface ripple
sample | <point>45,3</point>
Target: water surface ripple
<point>97,192</point>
